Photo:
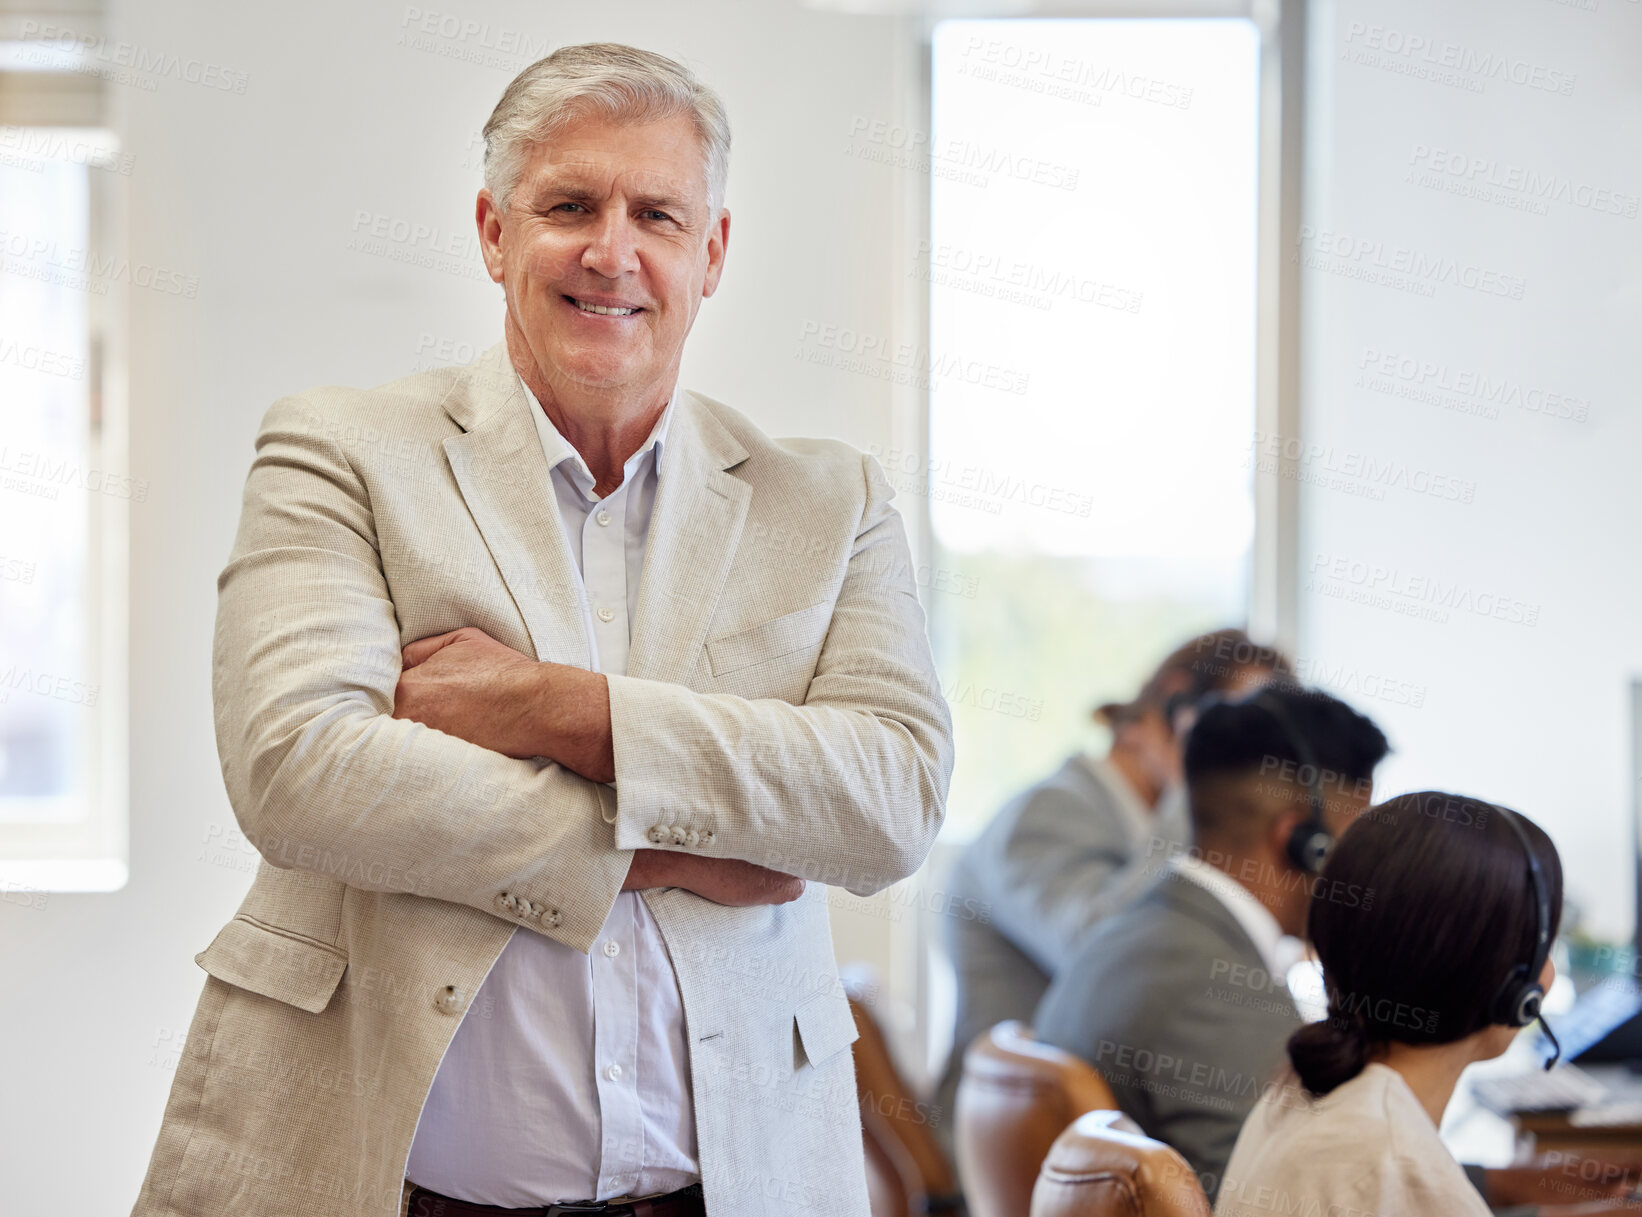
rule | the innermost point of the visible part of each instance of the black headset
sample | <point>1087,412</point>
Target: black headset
<point>1310,842</point>
<point>1519,999</point>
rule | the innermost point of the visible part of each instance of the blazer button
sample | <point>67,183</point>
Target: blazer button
<point>550,918</point>
<point>691,837</point>
<point>449,1000</point>
<point>504,902</point>
<point>657,834</point>
<point>677,835</point>
<point>707,837</point>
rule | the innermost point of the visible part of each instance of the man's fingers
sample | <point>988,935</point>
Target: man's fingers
<point>775,886</point>
<point>419,651</point>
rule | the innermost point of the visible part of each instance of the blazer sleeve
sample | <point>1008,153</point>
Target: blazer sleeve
<point>847,789</point>
<point>1067,864</point>
<point>305,662</point>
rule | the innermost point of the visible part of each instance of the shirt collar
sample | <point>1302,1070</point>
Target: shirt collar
<point>1279,951</point>
<point>559,450</point>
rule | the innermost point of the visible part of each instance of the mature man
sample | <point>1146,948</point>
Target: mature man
<point>1083,842</point>
<point>539,739</point>
<point>1180,1001</point>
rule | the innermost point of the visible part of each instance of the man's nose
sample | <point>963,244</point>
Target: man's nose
<point>612,249</point>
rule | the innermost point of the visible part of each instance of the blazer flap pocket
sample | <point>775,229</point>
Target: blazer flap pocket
<point>825,1026</point>
<point>297,971</point>
<point>770,639</point>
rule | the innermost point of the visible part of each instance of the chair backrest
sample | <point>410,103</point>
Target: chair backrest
<point>1014,1098</point>
<point>906,1166</point>
<point>1095,1170</point>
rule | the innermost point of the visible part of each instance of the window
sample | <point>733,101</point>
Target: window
<point>1092,359</point>
<point>63,498</point>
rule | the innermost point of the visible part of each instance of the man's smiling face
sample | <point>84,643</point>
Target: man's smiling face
<point>606,252</point>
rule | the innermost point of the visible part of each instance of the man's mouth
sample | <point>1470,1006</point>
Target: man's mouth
<point>602,310</point>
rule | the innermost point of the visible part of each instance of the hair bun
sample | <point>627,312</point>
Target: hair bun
<point>1330,1053</point>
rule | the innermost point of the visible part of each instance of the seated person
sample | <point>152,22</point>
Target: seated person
<point>1442,968</point>
<point>1180,1000</point>
<point>1081,843</point>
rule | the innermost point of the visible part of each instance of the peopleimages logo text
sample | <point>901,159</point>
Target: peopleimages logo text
<point>1439,53</point>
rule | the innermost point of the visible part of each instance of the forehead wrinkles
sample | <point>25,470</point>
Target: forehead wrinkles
<point>598,175</point>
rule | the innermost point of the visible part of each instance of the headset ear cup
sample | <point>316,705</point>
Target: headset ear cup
<point>1519,999</point>
<point>1528,1006</point>
<point>1309,846</point>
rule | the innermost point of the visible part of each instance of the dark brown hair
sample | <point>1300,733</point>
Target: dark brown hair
<point>1453,912</point>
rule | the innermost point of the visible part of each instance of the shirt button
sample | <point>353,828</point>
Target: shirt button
<point>603,518</point>
<point>613,1073</point>
<point>607,614</point>
<point>612,948</point>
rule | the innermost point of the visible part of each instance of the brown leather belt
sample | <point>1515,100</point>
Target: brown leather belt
<point>686,1202</point>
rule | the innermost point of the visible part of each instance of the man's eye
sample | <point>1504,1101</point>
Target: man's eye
<point>653,214</point>
<point>562,206</point>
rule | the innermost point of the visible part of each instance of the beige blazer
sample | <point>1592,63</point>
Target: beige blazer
<point>781,707</point>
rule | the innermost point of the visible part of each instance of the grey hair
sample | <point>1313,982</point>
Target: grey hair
<point>609,80</point>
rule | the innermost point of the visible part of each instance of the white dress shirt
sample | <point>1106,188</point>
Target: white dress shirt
<point>1278,950</point>
<point>568,1078</point>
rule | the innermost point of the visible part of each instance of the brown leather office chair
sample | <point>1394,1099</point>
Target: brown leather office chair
<point>894,1188</point>
<point>1015,1097</point>
<point>1095,1170</point>
<point>907,1171</point>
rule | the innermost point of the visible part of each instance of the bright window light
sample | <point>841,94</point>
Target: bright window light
<point>1092,274</point>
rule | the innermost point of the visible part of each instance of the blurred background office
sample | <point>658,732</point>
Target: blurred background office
<point>1313,318</point>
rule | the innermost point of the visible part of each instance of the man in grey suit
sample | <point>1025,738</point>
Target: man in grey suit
<point>1081,843</point>
<point>1181,1000</point>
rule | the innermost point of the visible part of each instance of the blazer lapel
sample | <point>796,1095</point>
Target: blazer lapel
<point>501,469</point>
<point>695,527</point>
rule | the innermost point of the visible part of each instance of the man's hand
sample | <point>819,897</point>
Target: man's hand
<point>722,880</point>
<point>467,684</point>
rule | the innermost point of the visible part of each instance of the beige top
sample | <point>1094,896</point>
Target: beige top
<point>1366,1149</point>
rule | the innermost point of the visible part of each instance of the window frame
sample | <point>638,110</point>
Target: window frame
<point>91,854</point>
<point>906,958</point>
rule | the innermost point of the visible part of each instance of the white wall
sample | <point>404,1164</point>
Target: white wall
<point>1545,511</point>
<point>256,195</point>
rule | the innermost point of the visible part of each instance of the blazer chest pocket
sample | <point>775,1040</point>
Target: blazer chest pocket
<point>784,635</point>
<point>826,1026</point>
<point>261,959</point>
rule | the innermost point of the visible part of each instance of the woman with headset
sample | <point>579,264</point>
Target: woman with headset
<point>1446,963</point>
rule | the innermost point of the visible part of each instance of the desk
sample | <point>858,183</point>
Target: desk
<point>1612,1131</point>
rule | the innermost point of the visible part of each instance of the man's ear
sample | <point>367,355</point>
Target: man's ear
<point>1281,827</point>
<point>718,242</point>
<point>488,217</point>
